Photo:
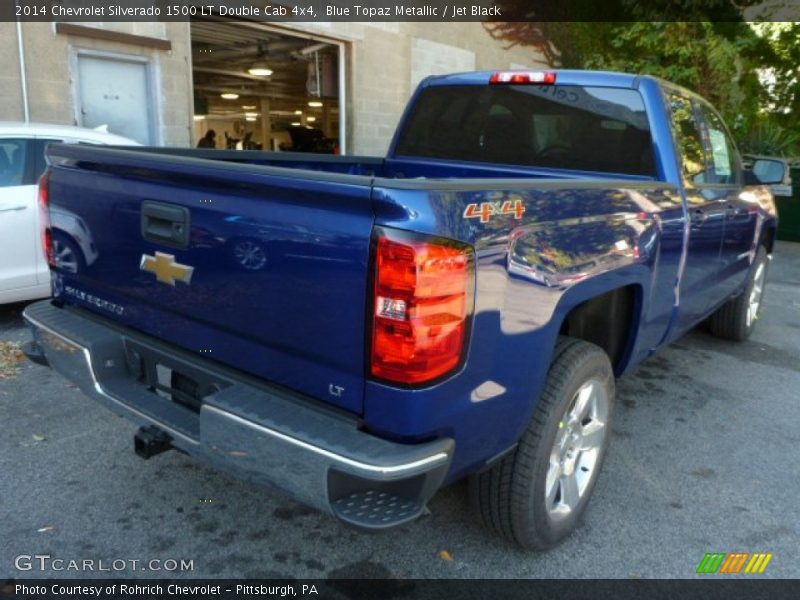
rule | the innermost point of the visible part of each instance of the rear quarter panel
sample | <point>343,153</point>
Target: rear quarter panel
<point>575,240</point>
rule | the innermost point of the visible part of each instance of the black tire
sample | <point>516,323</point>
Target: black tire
<point>509,498</point>
<point>69,255</point>
<point>731,321</point>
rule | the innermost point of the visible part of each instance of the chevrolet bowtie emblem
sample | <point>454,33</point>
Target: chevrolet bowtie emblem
<point>166,270</point>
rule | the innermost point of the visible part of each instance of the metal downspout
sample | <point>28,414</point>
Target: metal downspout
<point>22,73</point>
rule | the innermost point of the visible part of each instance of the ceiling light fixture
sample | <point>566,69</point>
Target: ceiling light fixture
<point>298,112</point>
<point>311,119</point>
<point>199,117</point>
<point>315,104</point>
<point>249,106</point>
<point>260,69</point>
<point>296,124</point>
<point>229,96</point>
<point>250,114</point>
<point>250,119</point>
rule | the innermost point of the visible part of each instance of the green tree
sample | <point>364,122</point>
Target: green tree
<point>750,73</point>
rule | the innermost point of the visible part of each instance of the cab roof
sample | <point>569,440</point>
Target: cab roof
<point>563,77</point>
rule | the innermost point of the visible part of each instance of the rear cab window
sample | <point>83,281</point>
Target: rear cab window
<point>566,127</point>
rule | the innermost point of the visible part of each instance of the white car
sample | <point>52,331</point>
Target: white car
<point>24,274</point>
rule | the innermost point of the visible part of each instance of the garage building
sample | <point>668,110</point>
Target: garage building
<point>338,86</point>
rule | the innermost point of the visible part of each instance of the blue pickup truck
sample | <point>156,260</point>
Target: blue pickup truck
<point>359,332</point>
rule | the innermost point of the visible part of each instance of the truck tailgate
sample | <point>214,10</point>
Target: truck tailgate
<point>263,269</point>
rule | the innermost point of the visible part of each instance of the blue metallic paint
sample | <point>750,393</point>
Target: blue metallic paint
<point>518,315</point>
<point>296,321</point>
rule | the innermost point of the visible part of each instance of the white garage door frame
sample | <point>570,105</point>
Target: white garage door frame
<point>343,67</point>
<point>152,77</point>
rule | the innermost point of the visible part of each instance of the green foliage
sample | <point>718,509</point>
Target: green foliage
<point>750,74</point>
<point>770,138</point>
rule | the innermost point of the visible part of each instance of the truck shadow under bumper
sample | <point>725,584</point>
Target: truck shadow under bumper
<point>263,434</point>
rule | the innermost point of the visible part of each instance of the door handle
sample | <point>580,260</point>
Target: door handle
<point>13,208</point>
<point>699,216</point>
<point>731,211</point>
<point>167,224</point>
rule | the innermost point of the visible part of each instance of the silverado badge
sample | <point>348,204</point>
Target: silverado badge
<point>166,270</point>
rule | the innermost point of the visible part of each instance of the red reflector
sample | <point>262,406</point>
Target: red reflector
<point>522,77</point>
<point>44,219</point>
<point>422,305</point>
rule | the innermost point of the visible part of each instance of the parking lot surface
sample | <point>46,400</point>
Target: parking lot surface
<point>705,457</point>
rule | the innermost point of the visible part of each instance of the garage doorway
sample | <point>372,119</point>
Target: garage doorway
<point>116,92</point>
<point>261,88</point>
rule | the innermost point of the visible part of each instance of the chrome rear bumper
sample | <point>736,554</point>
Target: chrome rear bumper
<point>258,432</point>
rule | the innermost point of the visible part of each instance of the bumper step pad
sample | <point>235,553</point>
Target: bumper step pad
<point>372,509</point>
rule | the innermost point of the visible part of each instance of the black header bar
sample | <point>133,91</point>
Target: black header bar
<point>710,587</point>
<point>442,11</point>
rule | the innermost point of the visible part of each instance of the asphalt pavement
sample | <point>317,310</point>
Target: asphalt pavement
<point>705,458</point>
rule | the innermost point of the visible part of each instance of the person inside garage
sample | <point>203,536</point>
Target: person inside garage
<point>209,140</point>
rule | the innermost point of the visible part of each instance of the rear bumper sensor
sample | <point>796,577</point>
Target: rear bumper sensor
<point>263,434</point>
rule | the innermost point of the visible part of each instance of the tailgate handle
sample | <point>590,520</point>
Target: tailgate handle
<point>165,224</point>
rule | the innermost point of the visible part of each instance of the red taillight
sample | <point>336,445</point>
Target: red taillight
<point>523,77</point>
<point>422,304</point>
<point>44,219</point>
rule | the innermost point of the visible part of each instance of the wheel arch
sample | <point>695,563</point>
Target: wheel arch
<point>607,314</point>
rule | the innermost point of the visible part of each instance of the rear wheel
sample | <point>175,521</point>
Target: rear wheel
<point>535,496</point>
<point>736,319</point>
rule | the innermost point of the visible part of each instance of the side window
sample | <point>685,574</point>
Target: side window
<point>690,141</point>
<point>723,152</point>
<point>14,162</point>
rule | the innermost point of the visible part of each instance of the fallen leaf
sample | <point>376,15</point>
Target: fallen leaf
<point>445,555</point>
<point>10,356</point>
<point>39,438</point>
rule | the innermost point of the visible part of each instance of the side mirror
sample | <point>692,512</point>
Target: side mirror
<point>769,171</point>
